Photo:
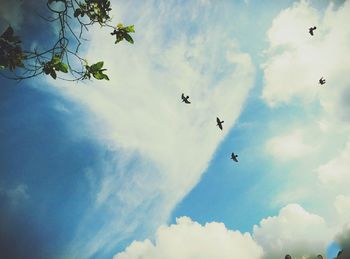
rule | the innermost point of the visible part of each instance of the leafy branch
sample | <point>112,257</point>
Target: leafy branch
<point>63,57</point>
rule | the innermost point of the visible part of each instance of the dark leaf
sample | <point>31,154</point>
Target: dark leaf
<point>53,74</point>
<point>128,38</point>
<point>77,12</point>
<point>119,37</point>
<point>8,33</point>
<point>97,66</point>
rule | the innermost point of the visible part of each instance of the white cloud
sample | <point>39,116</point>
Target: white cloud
<point>139,113</point>
<point>336,171</point>
<point>290,146</point>
<point>296,60</point>
<point>342,205</point>
<point>294,231</point>
<point>187,239</point>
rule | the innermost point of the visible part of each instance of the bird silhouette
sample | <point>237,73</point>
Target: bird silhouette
<point>219,123</point>
<point>322,81</point>
<point>234,157</point>
<point>185,99</point>
<point>287,257</point>
<point>311,30</point>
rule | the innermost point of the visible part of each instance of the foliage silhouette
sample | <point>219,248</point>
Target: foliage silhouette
<point>63,57</point>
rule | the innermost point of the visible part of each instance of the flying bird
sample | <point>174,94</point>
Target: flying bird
<point>219,123</point>
<point>234,157</point>
<point>311,30</point>
<point>185,99</point>
<point>322,81</point>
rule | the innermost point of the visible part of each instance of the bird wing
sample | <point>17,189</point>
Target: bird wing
<point>311,32</point>
<point>182,96</point>
<point>218,120</point>
<point>220,125</point>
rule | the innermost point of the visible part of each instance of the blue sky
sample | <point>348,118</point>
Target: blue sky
<point>123,169</point>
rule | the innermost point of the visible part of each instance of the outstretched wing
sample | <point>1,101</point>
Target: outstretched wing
<point>311,32</point>
<point>182,96</point>
<point>218,120</point>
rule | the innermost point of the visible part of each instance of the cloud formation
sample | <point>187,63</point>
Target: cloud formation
<point>296,60</point>
<point>187,239</point>
<point>293,231</point>
<point>290,146</point>
<point>161,146</point>
<point>336,171</point>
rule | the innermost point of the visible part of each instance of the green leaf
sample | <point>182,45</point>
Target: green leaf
<point>98,75</point>
<point>119,36</point>
<point>105,77</point>
<point>56,60</point>
<point>130,28</point>
<point>62,67</point>
<point>77,12</point>
<point>97,66</point>
<point>128,38</point>
<point>53,74</point>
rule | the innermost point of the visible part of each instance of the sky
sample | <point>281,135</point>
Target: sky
<point>123,169</point>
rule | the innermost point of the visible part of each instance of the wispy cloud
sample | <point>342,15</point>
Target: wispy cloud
<point>336,171</point>
<point>162,146</point>
<point>289,147</point>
